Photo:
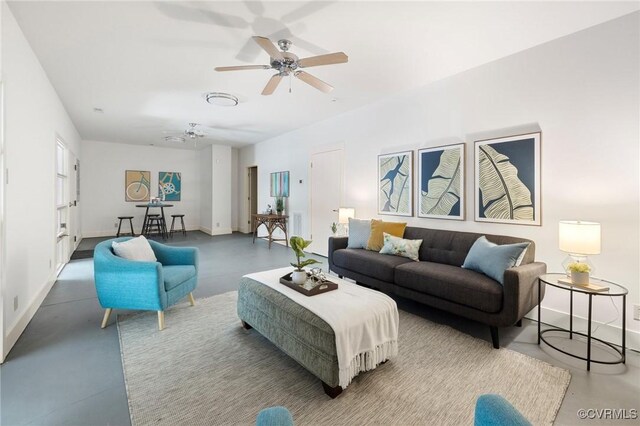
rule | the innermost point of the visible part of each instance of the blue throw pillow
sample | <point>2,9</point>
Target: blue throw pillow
<point>359,231</point>
<point>492,259</point>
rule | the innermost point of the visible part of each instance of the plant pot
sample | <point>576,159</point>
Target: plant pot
<point>299,277</point>
<point>579,278</point>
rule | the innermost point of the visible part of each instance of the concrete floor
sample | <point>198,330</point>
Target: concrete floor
<point>65,370</point>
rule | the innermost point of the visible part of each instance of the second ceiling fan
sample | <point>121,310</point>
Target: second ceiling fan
<point>286,63</point>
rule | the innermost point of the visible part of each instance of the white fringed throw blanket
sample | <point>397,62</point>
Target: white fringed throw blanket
<point>365,321</point>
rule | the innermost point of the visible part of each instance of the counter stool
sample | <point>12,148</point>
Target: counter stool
<point>173,220</point>
<point>145,226</point>
<point>121,218</point>
<point>154,225</point>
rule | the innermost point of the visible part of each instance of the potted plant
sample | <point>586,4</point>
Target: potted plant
<point>334,228</point>
<point>298,244</point>
<point>579,273</point>
<point>279,205</point>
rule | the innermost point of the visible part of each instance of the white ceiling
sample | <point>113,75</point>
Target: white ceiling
<point>148,64</point>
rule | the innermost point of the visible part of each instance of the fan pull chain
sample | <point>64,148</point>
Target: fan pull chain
<point>290,78</point>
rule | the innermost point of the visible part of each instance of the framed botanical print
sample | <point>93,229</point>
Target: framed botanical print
<point>441,182</point>
<point>395,184</point>
<point>507,179</point>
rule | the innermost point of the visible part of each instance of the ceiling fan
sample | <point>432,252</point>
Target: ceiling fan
<point>192,132</point>
<point>286,63</point>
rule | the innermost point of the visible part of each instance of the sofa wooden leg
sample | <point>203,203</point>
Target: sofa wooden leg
<point>160,320</point>
<point>245,325</point>
<point>331,392</point>
<point>192,300</point>
<point>105,319</point>
<point>519,323</point>
<point>494,337</point>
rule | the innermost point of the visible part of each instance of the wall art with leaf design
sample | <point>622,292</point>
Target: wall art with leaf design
<point>395,184</point>
<point>507,179</point>
<point>441,182</point>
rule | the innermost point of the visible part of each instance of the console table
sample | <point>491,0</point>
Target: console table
<point>271,222</point>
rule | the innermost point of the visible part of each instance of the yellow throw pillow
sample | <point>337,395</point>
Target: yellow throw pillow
<point>378,228</point>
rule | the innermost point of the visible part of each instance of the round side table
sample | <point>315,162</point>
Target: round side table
<point>614,290</point>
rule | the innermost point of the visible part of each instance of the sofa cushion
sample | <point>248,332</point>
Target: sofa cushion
<point>359,231</point>
<point>401,247</point>
<point>492,259</point>
<point>451,283</point>
<point>452,247</point>
<point>174,275</point>
<point>378,228</point>
<point>369,263</point>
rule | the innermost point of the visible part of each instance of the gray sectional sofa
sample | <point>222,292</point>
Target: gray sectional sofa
<point>438,279</point>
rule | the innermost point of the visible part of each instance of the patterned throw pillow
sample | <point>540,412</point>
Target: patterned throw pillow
<point>378,227</point>
<point>359,230</point>
<point>401,247</point>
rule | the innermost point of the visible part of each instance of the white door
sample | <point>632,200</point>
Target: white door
<point>326,197</point>
<point>73,225</point>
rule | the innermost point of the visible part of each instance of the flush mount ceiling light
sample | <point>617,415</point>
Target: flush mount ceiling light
<point>221,99</point>
<point>174,139</point>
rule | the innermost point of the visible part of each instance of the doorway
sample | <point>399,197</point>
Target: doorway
<point>253,196</point>
<point>326,196</point>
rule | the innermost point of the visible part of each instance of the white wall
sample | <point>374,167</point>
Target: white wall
<point>102,177</point>
<point>33,116</point>
<point>581,91</point>
<point>221,187</point>
<point>206,177</point>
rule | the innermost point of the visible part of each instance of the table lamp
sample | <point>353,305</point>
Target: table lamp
<point>579,239</point>
<point>344,213</point>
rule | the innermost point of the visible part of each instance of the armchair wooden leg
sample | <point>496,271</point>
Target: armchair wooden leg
<point>161,320</point>
<point>192,300</point>
<point>105,319</point>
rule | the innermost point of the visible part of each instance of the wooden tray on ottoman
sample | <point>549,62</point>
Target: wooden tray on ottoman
<point>320,288</point>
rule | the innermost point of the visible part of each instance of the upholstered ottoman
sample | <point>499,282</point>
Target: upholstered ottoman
<point>285,317</point>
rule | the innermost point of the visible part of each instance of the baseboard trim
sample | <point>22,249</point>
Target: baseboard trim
<point>16,330</point>
<point>99,234</point>
<point>218,231</point>
<point>611,333</point>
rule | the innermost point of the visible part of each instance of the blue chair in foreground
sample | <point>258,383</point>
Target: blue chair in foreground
<point>494,410</point>
<point>151,286</point>
<point>274,416</point>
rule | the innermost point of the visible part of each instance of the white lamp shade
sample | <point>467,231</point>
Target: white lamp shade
<point>578,237</point>
<point>344,213</point>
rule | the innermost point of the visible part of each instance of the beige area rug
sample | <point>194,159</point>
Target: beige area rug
<point>204,369</point>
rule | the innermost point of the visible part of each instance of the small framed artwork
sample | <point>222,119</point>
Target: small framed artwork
<point>395,184</point>
<point>507,179</point>
<point>137,185</point>
<point>280,184</point>
<point>169,186</point>
<point>441,182</point>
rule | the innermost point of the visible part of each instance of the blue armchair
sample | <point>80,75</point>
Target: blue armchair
<point>152,286</point>
<point>494,410</point>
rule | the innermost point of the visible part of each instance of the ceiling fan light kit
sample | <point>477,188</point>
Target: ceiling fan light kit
<point>286,63</point>
<point>174,139</point>
<point>221,99</point>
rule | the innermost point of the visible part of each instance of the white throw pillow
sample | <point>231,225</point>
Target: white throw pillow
<point>135,249</point>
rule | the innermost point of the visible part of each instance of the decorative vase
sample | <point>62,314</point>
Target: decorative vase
<point>579,278</point>
<point>299,277</point>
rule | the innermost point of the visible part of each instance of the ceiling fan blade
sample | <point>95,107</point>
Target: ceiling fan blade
<point>328,59</point>
<point>272,84</point>
<point>243,67</point>
<point>314,81</point>
<point>268,47</point>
